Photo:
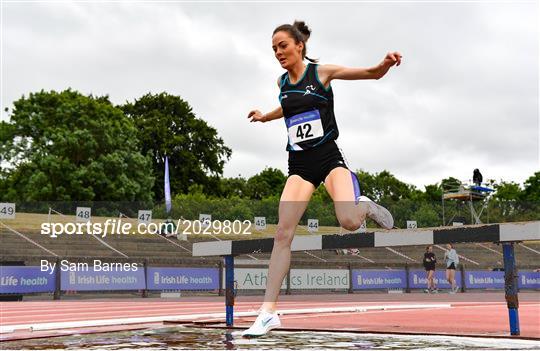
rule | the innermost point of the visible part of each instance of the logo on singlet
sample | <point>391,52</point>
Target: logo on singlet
<point>309,89</point>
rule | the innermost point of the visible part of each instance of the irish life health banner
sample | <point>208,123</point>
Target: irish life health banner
<point>94,280</point>
<point>171,278</point>
<point>20,280</point>
<point>378,279</point>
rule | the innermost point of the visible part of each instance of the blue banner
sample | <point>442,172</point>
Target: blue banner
<point>183,278</point>
<point>484,279</point>
<point>378,279</point>
<point>529,280</point>
<point>90,279</point>
<point>418,279</point>
<point>20,279</point>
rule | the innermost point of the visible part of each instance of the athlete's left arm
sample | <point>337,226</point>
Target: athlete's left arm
<point>327,73</point>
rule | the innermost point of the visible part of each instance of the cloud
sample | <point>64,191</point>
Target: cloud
<point>466,95</point>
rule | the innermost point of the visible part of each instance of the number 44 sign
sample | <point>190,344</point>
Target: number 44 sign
<point>313,225</point>
<point>7,210</point>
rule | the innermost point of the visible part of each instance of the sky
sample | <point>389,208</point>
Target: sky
<point>466,95</point>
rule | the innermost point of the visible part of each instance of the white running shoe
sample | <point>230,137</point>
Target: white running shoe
<point>262,325</point>
<point>379,214</point>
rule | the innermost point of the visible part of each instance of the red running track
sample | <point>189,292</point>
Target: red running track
<point>470,314</point>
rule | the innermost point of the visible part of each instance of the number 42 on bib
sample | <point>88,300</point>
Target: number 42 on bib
<point>304,126</point>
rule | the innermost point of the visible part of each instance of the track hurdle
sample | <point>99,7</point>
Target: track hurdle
<point>506,234</point>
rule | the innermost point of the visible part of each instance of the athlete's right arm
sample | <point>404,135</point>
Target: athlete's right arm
<point>257,116</point>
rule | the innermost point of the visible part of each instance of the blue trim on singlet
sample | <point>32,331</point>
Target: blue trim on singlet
<point>283,80</point>
<point>302,92</point>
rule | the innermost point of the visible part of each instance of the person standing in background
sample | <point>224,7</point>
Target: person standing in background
<point>452,260</point>
<point>429,264</point>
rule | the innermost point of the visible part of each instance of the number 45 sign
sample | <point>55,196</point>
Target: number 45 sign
<point>7,210</point>
<point>260,223</point>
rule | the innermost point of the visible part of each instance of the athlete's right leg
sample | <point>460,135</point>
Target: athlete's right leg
<point>293,203</point>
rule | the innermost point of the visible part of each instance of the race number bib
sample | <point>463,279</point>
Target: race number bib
<point>304,126</point>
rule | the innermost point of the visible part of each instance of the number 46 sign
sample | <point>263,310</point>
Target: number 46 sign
<point>7,210</point>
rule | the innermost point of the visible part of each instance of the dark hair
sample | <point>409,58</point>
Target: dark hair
<point>427,248</point>
<point>300,32</point>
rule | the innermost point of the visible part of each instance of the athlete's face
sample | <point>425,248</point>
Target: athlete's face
<point>287,52</point>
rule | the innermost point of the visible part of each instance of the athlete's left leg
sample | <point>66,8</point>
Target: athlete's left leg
<point>351,208</point>
<point>341,188</point>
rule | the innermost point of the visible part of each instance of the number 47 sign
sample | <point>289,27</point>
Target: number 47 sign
<point>7,210</point>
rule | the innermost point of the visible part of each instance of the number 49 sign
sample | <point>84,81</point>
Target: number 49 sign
<point>7,210</point>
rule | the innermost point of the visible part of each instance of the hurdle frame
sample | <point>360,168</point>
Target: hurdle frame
<point>506,234</point>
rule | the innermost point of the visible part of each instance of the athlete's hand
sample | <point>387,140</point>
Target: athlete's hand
<point>392,58</point>
<point>256,116</point>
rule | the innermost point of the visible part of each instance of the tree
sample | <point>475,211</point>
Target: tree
<point>531,189</point>
<point>450,184</point>
<point>67,146</point>
<point>384,186</point>
<point>433,193</point>
<point>267,183</point>
<point>232,187</point>
<point>507,191</point>
<point>167,126</point>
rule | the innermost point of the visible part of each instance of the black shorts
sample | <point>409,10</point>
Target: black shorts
<point>429,268</point>
<point>452,266</point>
<point>315,164</point>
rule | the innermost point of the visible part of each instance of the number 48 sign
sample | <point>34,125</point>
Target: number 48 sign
<point>7,210</point>
<point>83,214</point>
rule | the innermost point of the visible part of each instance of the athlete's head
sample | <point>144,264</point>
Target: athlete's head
<point>429,248</point>
<point>449,246</point>
<point>289,43</point>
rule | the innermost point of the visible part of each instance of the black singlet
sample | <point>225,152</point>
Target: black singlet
<point>308,108</point>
